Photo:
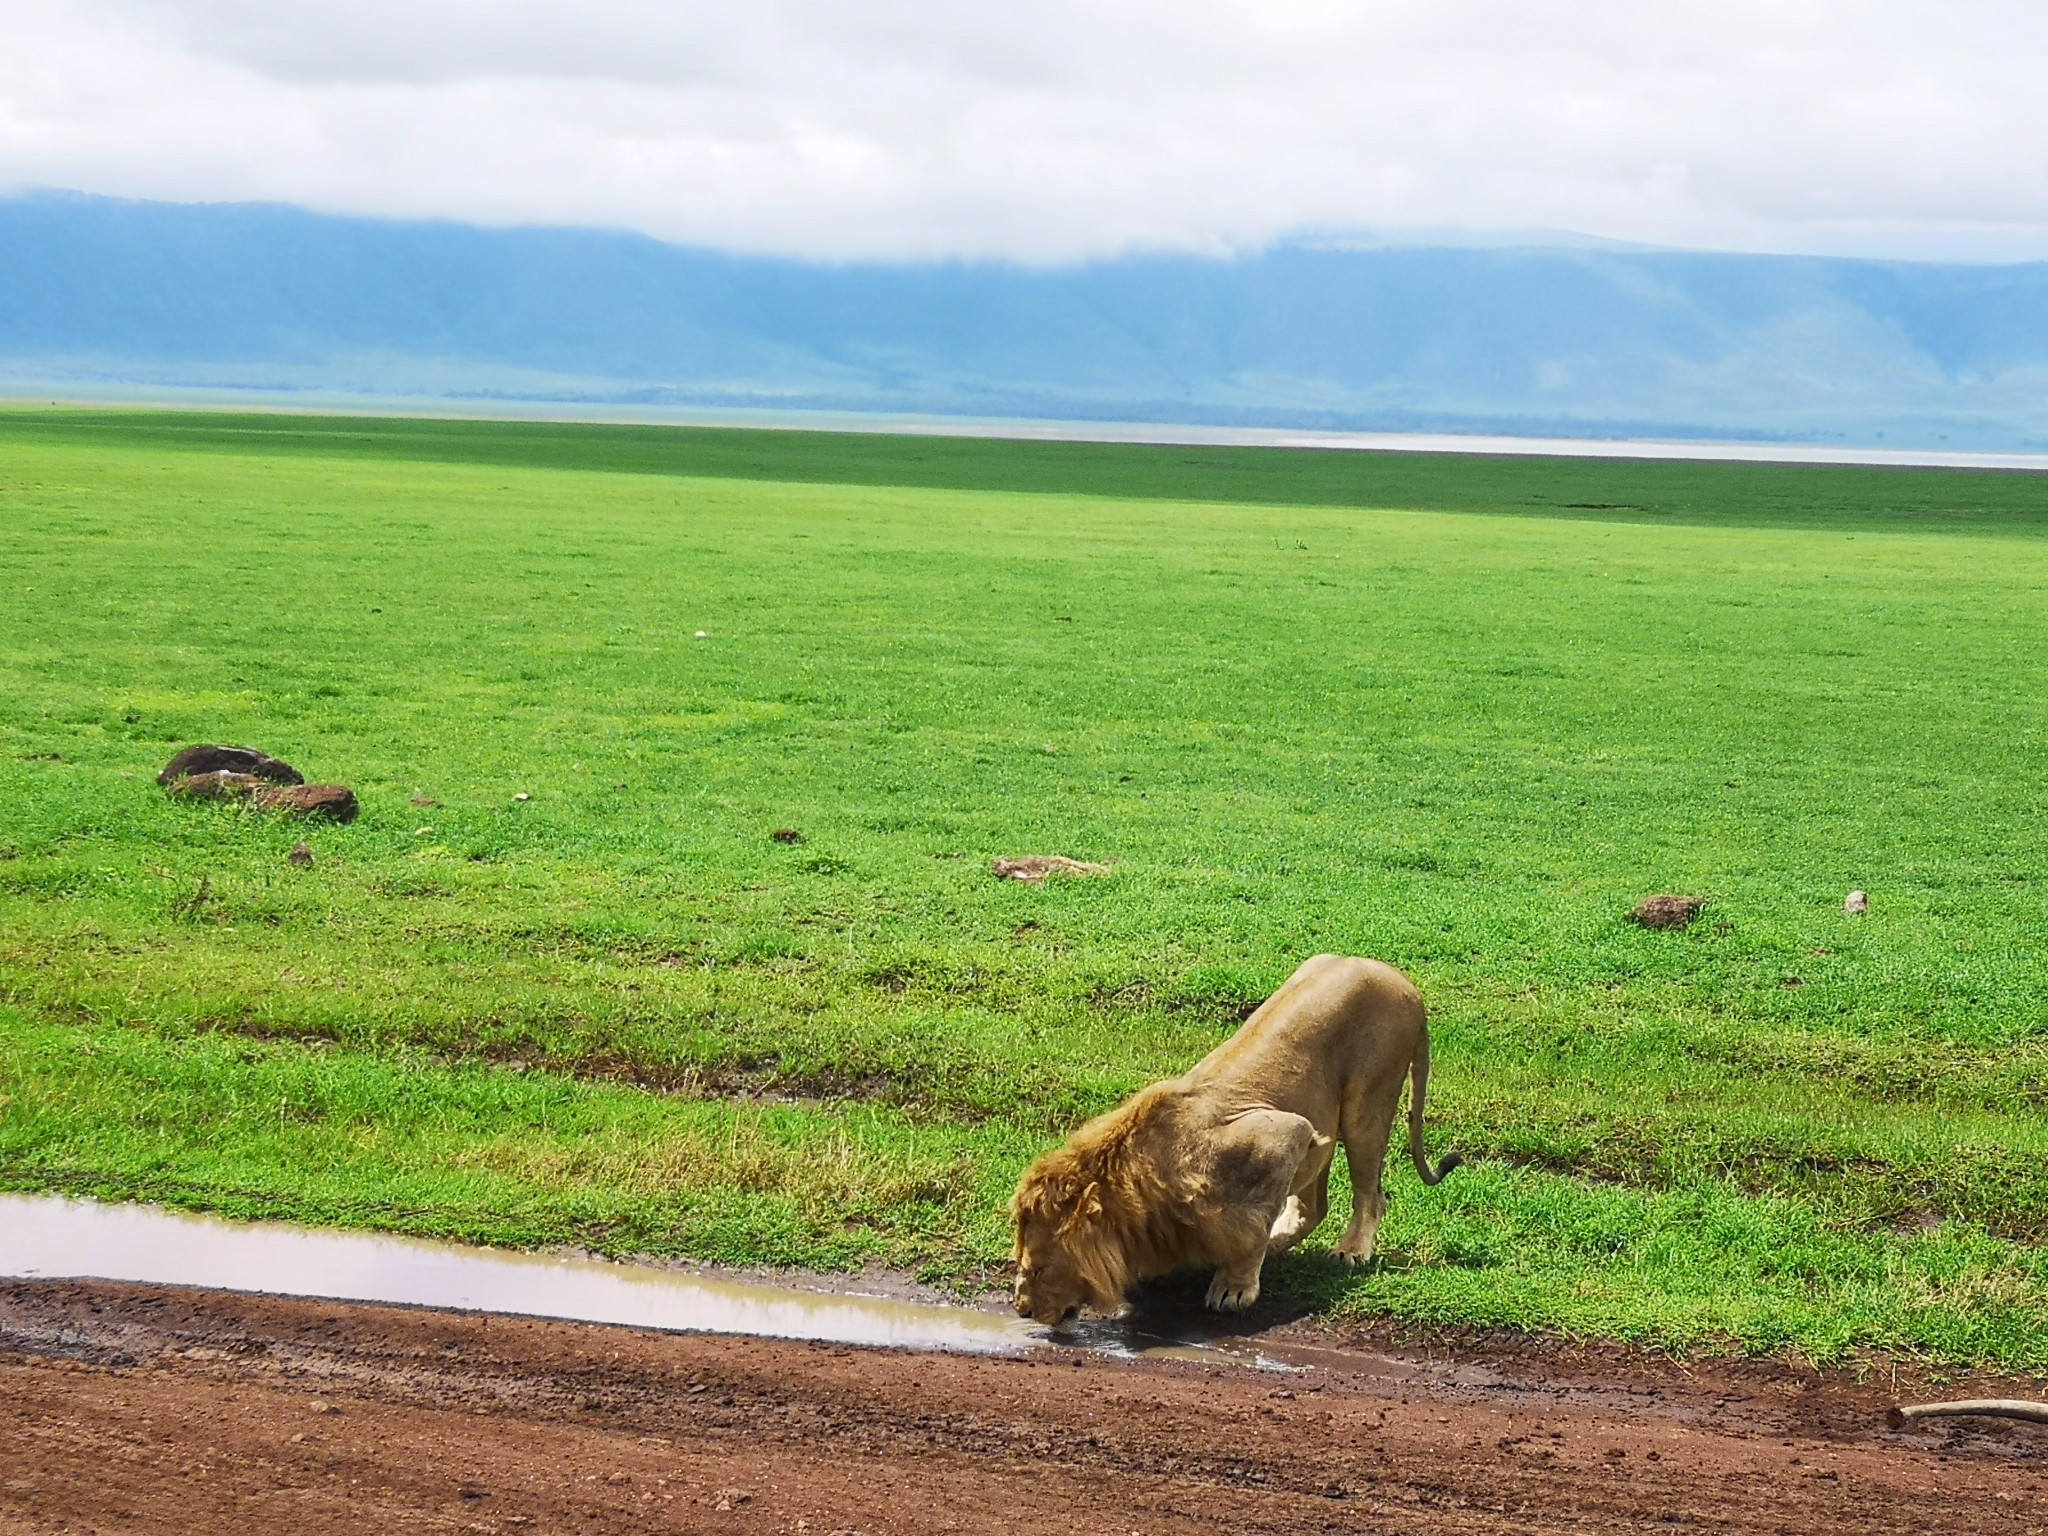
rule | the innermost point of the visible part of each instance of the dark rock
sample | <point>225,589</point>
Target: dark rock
<point>300,856</point>
<point>218,785</point>
<point>336,802</point>
<point>1667,911</point>
<point>246,760</point>
<point>787,835</point>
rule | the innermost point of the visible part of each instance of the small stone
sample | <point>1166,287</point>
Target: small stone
<point>703,634</point>
<point>426,800</point>
<point>301,856</point>
<point>521,798</point>
<point>786,835</point>
<point>1856,901</point>
<point>423,832</point>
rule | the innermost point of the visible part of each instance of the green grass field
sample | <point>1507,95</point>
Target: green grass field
<point>1460,714</point>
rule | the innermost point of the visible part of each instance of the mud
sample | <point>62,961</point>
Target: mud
<point>159,1409</point>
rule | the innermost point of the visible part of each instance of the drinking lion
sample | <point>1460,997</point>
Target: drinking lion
<point>1232,1161</point>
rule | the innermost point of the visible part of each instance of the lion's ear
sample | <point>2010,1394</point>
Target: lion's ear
<point>1086,1207</point>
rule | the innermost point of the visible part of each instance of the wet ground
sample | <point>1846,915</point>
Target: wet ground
<point>49,1237</point>
<point>126,1408</point>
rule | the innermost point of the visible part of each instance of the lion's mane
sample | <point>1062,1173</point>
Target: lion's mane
<point>1121,1216</point>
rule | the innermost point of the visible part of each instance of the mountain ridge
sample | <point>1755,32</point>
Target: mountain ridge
<point>1588,340</point>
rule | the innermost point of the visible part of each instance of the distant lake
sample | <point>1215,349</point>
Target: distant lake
<point>322,403</point>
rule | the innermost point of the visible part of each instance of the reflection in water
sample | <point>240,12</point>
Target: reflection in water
<point>43,1237</point>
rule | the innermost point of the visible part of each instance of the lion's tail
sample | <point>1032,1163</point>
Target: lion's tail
<point>1418,1091</point>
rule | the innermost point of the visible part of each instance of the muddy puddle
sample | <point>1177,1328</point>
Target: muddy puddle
<point>49,1238</point>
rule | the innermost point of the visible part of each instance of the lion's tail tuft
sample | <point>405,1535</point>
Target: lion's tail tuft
<point>1418,1092</point>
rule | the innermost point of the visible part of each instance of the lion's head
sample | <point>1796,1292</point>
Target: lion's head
<point>1067,1259</point>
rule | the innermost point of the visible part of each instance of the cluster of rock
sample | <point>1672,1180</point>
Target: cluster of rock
<point>256,779</point>
<point>1679,911</point>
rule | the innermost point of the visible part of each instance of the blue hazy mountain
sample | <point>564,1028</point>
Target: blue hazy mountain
<point>1578,339</point>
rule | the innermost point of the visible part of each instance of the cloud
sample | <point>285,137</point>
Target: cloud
<point>1063,128</point>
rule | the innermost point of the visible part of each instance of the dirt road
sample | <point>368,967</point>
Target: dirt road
<point>125,1408</point>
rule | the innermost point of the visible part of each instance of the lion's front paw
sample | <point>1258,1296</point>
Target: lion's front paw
<point>1358,1260</point>
<point>1231,1296</point>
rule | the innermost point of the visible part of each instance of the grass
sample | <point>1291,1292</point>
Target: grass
<point>1460,714</point>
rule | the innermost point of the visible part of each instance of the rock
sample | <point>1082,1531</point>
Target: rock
<point>1856,901</point>
<point>301,857</point>
<point>1034,867</point>
<point>786,835</point>
<point>336,802</point>
<point>217,785</point>
<point>1667,911</point>
<point>198,760</point>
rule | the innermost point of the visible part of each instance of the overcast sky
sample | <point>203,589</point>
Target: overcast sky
<point>1054,129</point>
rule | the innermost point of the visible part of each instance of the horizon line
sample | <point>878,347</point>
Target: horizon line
<point>16,397</point>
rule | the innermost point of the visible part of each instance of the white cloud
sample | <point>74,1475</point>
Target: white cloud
<point>1065,127</point>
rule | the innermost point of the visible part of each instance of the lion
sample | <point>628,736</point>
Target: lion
<point>1232,1161</point>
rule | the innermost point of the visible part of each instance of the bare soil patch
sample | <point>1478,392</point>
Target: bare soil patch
<point>1667,911</point>
<point>188,1411</point>
<point>1033,868</point>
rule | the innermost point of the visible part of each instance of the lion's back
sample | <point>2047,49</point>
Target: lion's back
<point>1334,1015</point>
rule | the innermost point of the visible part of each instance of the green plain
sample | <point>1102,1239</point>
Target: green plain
<point>1457,713</point>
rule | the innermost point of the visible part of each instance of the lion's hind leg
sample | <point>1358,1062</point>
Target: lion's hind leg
<point>1302,1214</point>
<point>1289,1227</point>
<point>1365,1131</point>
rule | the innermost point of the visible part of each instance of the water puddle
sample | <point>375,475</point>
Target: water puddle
<point>48,1238</point>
